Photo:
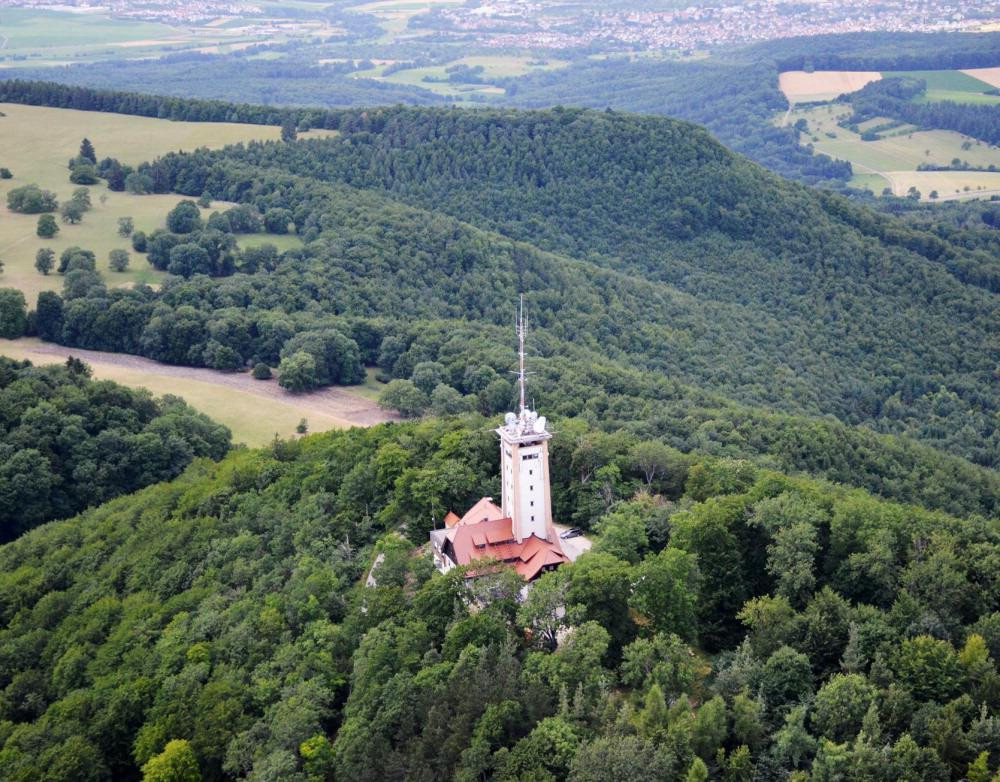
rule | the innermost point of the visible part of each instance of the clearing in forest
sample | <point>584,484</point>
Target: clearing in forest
<point>255,410</point>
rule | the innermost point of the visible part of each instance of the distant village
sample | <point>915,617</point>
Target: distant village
<point>554,25</point>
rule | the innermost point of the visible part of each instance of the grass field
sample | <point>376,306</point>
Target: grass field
<point>394,16</point>
<point>36,143</point>
<point>947,81</point>
<point>255,411</point>
<point>35,30</point>
<point>956,86</point>
<point>892,161</point>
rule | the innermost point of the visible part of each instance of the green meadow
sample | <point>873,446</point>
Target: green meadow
<point>892,161</point>
<point>36,144</point>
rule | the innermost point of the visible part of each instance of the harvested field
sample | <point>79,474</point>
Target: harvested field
<point>989,75</point>
<point>803,87</point>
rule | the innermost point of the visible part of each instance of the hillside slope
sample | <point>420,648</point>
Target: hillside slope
<point>224,611</point>
<point>765,291</point>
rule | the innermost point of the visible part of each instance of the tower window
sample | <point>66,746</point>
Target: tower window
<point>532,518</point>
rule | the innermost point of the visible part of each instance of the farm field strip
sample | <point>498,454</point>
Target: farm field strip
<point>804,87</point>
<point>968,86</point>
<point>989,75</point>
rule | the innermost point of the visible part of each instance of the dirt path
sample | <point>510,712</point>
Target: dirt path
<point>340,403</point>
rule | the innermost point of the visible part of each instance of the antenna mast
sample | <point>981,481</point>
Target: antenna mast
<point>521,329</point>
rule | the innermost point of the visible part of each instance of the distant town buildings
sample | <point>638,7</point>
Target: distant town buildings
<point>557,25</point>
<point>164,11</point>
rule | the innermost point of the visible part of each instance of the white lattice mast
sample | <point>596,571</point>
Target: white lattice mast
<point>522,327</point>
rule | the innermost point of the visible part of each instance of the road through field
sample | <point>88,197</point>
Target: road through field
<point>255,410</point>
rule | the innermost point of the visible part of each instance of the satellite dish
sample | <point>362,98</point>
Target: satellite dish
<point>510,419</point>
<point>540,424</point>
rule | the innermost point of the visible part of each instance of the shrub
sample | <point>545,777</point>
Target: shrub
<point>404,396</point>
<point>84,174</point>
<point>138,184</point>
<point>71,212</point>
<point>45,259</point>
<point>276,220</point>
<point>31,199</point>
<point>47,226</point>
<point>184,218</point>
<point>118,260</point>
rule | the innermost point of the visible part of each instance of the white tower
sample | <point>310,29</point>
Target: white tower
<point>524,461</point>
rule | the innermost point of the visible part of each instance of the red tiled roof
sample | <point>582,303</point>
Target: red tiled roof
<point>498,536</point>
<point>494,539</point>
<point>451,519</point>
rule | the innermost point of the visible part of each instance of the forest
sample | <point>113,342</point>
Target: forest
<point>733,269</point>
<point>732,622</point>
<point>742,295</point>
<point>68,442</point>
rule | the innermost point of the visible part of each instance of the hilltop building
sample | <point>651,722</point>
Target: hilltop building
<point>520,531</point>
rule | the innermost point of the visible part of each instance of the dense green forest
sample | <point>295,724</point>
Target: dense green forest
<point>730,621</point>
<point>68,442</point>
<point>776,415</point>
<point>62,96</point>
<point>741,298</point>
<point>881,51</point>
<point>736,102</point>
